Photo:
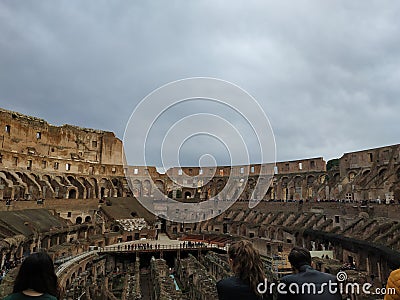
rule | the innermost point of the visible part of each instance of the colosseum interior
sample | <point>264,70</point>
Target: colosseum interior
<point>64,190</point>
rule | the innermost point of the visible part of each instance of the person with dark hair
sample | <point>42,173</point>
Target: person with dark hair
<point>36,279</point>
<point>306,283</point>
<point>248,270</point>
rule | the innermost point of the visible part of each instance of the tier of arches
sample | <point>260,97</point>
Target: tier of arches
<point>19,185</point>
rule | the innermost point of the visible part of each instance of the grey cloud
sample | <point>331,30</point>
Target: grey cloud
<point>325,72</point>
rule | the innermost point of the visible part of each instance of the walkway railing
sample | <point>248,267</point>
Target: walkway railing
<point>74,260</point>
<point>157,247</point>
<point>135,247</point>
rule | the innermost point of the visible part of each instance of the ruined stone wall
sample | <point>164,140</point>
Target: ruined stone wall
<point>37,139</point>
<point>164,287</point>
<point>368,235</point>
<point>195,279</point>
<point>39,160</point>
<point>300,166</point>
<point>371,174</point>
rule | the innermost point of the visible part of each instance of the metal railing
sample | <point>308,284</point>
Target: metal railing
<point>157,247</point>
<point>136,248</point>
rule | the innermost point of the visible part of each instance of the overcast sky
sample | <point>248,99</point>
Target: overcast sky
<point>327,73</point>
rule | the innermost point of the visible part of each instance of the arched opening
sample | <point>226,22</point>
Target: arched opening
<point>116,228</point>
<point>72,194</point>
<point>310,180</point>
<point>188,195</point>
<point>160,186</point>
<point>382,172</point>
<point>221,184</point>
<point>285,181</point>
<point>88,219</point>
<point>366,172</point>
<point>146,188</point>
<point>107,188</point>
<point>351,176</point>
<point>163,223</point>
<point>78,185</point>
<point>78,220</point>
<point>298,189</point>
<point>88,187</point>
<point>93,181</point>
<point>336,177</point>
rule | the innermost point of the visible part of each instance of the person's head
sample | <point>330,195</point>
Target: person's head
<point>299,257</point>
<point>37,273</point>
<point>246,263</point>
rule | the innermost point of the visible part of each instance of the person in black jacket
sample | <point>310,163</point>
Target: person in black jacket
<point>306,283</point>
<point>248,272</point>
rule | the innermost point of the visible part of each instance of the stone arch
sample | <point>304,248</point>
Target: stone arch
<point>89,189</point>
<point>160,185</point>
<point>136,188</point>
<point>106,188</point>
<point>146,188</point>
<point>285,190</point>
<point>279,235</point>
<point>8,190</point>
<point>59,186</point>
<point>45,186</point>
<point>284,181</point>
<point>79,186</point>
<point>72,193</point>
<point>47,177</point>
<point>209,190</point>
<point>118,187</point>
<point>88,219</point>
<point>364,215</point>
<point>336,177</point>
<point>93,182</point>
<point>351,175</point>
<point>62,180</point>
<point>221,185</point>
<point>310,180</point>
<point>382,171</point>
<point>34,188</point>
<point>298,180</point>
<point>366,172</point>
<point>298,188</point>
<point>48,190</point>
<point>78,220</point>
<point>188,195</point>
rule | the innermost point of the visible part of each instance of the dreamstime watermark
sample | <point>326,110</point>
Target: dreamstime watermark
<point>173,117</point>
<point>331,287</point>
